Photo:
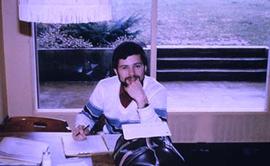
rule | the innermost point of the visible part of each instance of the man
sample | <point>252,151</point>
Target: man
<point>128,97</point>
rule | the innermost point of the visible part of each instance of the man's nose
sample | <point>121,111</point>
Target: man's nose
<point>131,72</point>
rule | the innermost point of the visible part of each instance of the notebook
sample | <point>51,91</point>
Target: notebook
<point>144,130</point>
<point>93,145</point>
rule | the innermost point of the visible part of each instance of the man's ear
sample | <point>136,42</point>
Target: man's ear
<point>145,68</point>
<point>115,71</point>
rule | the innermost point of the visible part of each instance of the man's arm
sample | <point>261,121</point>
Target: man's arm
<point>156,110</point>
<point>152,109</point>
<point>135,90</point>
<point>83,124</point>
<point>89,115</point>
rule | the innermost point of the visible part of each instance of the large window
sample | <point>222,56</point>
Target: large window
<point>72,58</point>
<point>211,54</point>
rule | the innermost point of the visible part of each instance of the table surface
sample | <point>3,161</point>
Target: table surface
<point>56,148</point>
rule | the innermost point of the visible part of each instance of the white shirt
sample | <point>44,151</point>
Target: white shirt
<point>105,100</point>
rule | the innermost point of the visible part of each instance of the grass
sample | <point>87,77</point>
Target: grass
<point>207,22</point>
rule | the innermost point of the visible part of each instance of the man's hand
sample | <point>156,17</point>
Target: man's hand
<point>79,133</point>
<point>135,90</point>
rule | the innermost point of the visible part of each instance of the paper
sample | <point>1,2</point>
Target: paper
<point>21,151</point>
<point>94,144</point>
<point>110,140</point>
<point>145,130</point>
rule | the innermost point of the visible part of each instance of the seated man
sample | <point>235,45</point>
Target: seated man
<point>128,97</point>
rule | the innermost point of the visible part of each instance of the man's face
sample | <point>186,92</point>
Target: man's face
<point>130,69</point>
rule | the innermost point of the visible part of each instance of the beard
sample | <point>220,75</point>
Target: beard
<point>132,78</point>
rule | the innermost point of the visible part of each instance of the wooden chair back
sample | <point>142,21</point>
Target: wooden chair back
<point>32,123</point>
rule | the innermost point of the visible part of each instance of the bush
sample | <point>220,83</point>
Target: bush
<point>85,35</point>
<point>52,37</point>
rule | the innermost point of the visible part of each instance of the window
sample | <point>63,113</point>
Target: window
<point>72,58</point>
<point>212,56</point>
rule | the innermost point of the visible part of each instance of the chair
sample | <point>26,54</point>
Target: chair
<point>32,123</point>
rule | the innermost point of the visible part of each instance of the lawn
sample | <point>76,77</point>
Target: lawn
<point>202,22</point>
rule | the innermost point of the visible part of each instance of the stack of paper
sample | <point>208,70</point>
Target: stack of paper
<point>19,151</point>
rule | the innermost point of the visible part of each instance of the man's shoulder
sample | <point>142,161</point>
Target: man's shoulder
<point>109,81</point>
<point>152,82</point>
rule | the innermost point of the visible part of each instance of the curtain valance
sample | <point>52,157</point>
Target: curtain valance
<point>64,11</point>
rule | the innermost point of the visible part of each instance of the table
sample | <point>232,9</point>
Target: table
<point>57,153</point>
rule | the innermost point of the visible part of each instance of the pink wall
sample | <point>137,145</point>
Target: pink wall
<point>3,110</point>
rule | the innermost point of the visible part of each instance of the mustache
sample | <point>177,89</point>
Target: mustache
<point>132,78</point>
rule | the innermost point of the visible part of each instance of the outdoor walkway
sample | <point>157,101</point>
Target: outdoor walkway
<point>182,96</point>
<point>215,96</point>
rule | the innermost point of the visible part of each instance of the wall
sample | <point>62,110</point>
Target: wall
<point>3,110</point>
<point>219,127</point>
<point>20,68</point>
<point>17,51</point>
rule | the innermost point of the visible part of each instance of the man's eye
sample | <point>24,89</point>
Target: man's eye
<point>124,67</point>
<point>138,65</point>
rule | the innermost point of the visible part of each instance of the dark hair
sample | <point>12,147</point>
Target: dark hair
<point>125,50</point>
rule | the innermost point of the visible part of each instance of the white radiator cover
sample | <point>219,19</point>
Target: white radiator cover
<point>187,127</point>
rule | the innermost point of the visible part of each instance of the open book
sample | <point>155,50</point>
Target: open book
<point>93,145</point>
<point>19,151</point>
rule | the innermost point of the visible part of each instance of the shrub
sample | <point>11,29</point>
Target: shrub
<point>52,37</point>
<point>85,35</point>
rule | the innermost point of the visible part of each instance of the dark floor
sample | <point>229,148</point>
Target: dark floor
<point>225,154</point>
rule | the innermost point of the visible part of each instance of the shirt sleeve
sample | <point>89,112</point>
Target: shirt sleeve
<point>92,110</point>
<point>82,119</point>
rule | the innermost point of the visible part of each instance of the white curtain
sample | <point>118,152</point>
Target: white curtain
<point>65,11</point>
